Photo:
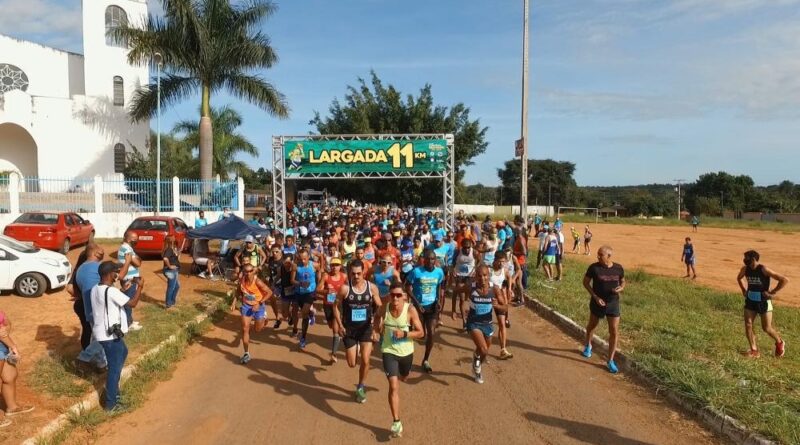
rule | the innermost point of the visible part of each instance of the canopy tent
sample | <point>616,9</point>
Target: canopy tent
<point>232,228</point>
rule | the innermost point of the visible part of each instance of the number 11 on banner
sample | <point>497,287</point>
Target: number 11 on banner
<point>406,152</point>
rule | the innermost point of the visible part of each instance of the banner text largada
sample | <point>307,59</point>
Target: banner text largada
<point>367,156</point>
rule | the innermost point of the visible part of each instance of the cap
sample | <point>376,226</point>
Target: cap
<point>367,239</point>
<point>437,237</point>
<point>407,243</point>
<point>106,267</point>
<point>249,239</point>
<point>335,261</point>
<point>396,234</point>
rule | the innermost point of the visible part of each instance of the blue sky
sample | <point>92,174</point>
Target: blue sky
<point>632,91</point>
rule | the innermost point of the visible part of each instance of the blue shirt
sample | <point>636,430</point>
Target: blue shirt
<point>438,231</point>
<point>200,222</point>
<point>501,239</point>
<point>306,273</point>
<point>87,277</point>
<point>425,284</point>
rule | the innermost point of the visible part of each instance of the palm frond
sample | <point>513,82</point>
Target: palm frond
<point>258,92</point>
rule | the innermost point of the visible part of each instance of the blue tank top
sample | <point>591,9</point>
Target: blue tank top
<point>381,278</point>
<point>306,273</point>
<point>480,307</point>
<point>552,247</point>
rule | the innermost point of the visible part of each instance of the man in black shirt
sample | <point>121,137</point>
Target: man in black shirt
<point>604,280</point>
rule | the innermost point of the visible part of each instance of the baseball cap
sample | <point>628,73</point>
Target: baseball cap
<point>249,239</point>
<point>106,267</point>
<point>336,261</point>
<point>367,239</point>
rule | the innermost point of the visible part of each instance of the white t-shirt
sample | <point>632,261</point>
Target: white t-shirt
<point>542,236</point>
<point>116,312</point>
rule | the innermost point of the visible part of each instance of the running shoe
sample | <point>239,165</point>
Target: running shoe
<point>291,321</point>
<point>508,323</point>
<point>201,275</point>
<point>612,367</point>
<point>478,378</point>
<point>753,353</point>
<point>312,318</point>
<point>277,324</point>
<point>294,333</point>
<point>397,429</point>
<point>302,342</point>
<point>587,351</point>
<point>476,371</point>
<point>21,409</point>
<point>245,358</point>
<point>361,394</point>
<point>426,366</point>
<point>780,349</point>
<point>504,354</point>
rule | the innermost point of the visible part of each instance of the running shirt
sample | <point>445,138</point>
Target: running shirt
<point>286,280</point>
<point>497,277</point>
<point>551,245</point>
<point>464,263</point>
<point>290,250</point>
<point>252,256</point>
<point>509,236</point>
<point>369,253</point>
<point>275,274</point>
<point>400,347</point>
<point>332,286</point>
<point>348,251</point>
<point>757,282</point>
<point>441,255</point>
<point>425,284</point>
<point>251,294</point>
<point>480,306</point>
<point>688,252</point>
<point>308,275</point>
<point>357,307</point>
<point>383,280</point>
<point>605,280</point>
<point>407,260</point>
<point>488,255</point>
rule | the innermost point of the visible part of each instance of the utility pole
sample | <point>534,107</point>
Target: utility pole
<point>523,205</point>
<point>678,189</point>
<point>722,203</point>
<point>549,196</point>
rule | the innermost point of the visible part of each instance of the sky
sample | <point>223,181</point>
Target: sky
<point>631,91</point>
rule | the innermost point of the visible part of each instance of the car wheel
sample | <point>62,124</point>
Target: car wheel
<point>31,285</point>
<point>65,246</point>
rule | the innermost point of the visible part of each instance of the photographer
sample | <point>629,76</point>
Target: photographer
<point>110,325</point>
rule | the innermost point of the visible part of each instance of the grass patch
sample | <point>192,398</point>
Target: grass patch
<point>57,377</point>
<point>691,338</point>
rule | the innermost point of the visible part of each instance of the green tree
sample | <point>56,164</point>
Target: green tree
<point>548,181</point>
<point>227,141</point>
<point>206,45</point>
<point>260,179</point>
<point>376,108</point>
<point>176,159</point>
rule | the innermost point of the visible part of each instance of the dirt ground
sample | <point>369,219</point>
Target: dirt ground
<point>47,325</point>
<point>546,394</point>
<point>718,252</point>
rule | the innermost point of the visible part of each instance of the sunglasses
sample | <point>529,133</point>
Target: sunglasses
<point>396,295</point>
<point>385,262</point>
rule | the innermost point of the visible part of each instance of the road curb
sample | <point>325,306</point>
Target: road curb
<point>92,400</point>
<point>714,420</point>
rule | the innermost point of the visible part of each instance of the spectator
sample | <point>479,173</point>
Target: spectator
<point>91,356</point>
<point>223,249</point>
<point>129,273</point>
<point>203,257</point>
<point>9,356</point>
<point>201,220</point>
<point>172,268</point>
<point>110,326</point>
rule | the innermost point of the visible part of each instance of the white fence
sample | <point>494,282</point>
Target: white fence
<point>111,205</point>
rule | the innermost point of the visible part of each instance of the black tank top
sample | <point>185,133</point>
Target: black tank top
<point>757,280</point>
<point>286,277</point>
<point>357,307</point>
<point>275,274</point>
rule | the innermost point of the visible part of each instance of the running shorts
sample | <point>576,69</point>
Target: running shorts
<point>396,366</point>
<point>357,334</point>
<point>486,328</point>
<point>258,313</point>
<point>429,313</point>
<point>549,259</point>
<point>305,298</point>
<point>611,308</point>
<point>328,309</point>
<point>759,307</point>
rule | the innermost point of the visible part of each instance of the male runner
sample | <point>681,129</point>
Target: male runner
<point>463,270</point>
<point>687,257</point>
<point>305,280</point>
<point>425,285</point>
<point>754,280</point>
<point>356,320</point>
<point>604,280</point>
<point>384,275</point>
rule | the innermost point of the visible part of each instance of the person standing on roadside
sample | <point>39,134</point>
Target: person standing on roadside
<point>688,258</point>
<point>172,268</point>
<point>576,238</point>
<point>587,240</point>
<point>110,324</point>
<point>754,280</point>
<point>604,280</point>
<point>695,223</point>
<point>399,325</point>
<point>201,220</point>
<point>129,273</point>
<point>9,357</point>
<point>85,278</point>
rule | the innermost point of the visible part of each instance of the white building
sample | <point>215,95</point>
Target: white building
<point>64,115</point>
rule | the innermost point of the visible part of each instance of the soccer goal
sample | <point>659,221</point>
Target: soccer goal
<point>579,213</point>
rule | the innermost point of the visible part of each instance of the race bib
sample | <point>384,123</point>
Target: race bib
<point>249,297</point>
<point>358,314</point>
<point>483,309</point>
<point>331,298</point>
<point>407,267</point>
<point>463,268</point>
<point>753,296</point>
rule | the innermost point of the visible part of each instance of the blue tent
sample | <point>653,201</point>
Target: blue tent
<point>231,227</point>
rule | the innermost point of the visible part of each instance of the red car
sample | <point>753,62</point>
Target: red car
<point>51,230</point>
<point>153,229</point>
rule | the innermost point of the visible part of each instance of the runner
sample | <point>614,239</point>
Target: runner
<point>687,257</point>
<point>288,301</point>
<point>483,298</point>
<point>274,276</point>
<point>331,282</point>
<point>254,293</point>
<point>348,247</point>
<point>500,277</point>
<point>425,285</point>
<point>383,276</point>
<point>407,258</point>
<point>397,347</point>
<point>251,254</point>
<point>463,271</point>
<point>754,280</point>
<point>356,320</point>
<point>305,280</point>
<point>489,248</point>
<point>290,248</point>
<point>604,280</point>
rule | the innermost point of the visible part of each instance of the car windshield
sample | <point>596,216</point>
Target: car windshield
<point>149,224</point>
<point>11,243</point>
<point>37,218</point>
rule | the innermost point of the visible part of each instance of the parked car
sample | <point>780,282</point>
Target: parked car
<point>153,229</point>
<point>29,270</point>
<point>51,230</point>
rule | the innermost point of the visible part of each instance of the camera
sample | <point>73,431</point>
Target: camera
<point>115,330</point>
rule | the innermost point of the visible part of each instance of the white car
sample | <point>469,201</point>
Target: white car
<point>29,270</point>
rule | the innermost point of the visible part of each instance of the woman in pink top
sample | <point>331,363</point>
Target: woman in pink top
<point>9,356</point>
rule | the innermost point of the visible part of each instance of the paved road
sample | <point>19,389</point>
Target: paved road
<point>547,394</point>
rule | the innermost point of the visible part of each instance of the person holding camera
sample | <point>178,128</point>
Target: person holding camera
<point>110,324</point>
<point>9,356</point>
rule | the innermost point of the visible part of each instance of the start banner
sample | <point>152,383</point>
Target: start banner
<point>365,156</point>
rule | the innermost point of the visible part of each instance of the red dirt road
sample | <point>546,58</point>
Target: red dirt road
<point>547,394</point>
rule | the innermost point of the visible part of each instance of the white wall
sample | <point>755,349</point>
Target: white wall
<point>541,210</point>
<point>47,68</point>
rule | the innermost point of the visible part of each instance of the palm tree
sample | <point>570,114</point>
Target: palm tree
<point>209,45</point>
<point>227,142</point>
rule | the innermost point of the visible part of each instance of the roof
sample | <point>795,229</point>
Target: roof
<point>43,46</point>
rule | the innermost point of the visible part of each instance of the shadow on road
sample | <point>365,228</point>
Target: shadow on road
<point>584,432</point>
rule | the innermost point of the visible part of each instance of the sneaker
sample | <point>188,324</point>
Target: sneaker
<point>7,422</point>
<point>508,323</point>
<point>333,358</point>
<point>245,358</point>
<point>361,394</point>
<point>397,429</point>
<point>587,351</point>
<point>294,333</point>
<point>312,319</point>
<point>426,366</point>
<point>277,324</point>
<point>780,349</point>
<point>21,409</point>
<point>201,275</point>
<point>753,353</point>
<point>291,321</point>
<point>477,376</point>
<point>302,342</point>
<point>135,326</point>
<point>504,354</point>
<point>612,367</point>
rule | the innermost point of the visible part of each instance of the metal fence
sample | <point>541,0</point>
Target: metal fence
<point>135,195</point>
<point>197,194</point>
<point>56,195</point>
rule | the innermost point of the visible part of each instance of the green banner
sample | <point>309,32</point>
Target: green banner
<point>384,156</point>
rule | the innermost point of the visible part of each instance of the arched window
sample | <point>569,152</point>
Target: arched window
<point>115,17</point>
<point>119,158</point>
<point>119,91</point>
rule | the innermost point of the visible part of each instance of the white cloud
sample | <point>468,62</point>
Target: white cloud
<point>48,22</point>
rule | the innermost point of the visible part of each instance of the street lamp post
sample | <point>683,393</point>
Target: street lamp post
<point>523,204</point>
<point>158,59</point>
